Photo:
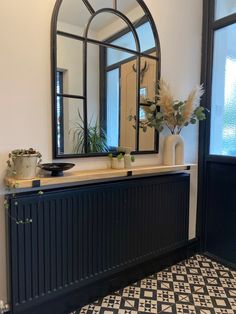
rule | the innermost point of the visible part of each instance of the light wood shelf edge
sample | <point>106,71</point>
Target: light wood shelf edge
<point>93,175</point>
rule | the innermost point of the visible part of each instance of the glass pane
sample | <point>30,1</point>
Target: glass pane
<point>70,126</point>
<point>73,17</point>
<point>70,62</point>
<point>128,103</point>
<point>115,56</point>
<point>93,83</point>
<point>131,9</point>
<point>113,107</point>
<point>147,138</point>
<point>148,76</point>
<point>98,5</point>
<point>223,107</point>
<point>125,41</point>
<point>148,81</point>
<point>97,139</point>
<point>224,8</point>
<point>107,25</point>
<point>146,37</point>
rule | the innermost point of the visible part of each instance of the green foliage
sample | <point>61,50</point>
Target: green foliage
<point>164,111</point>
<point>96,136</point>
<point>156,118</point>
<point>199,113</point>
<point>120,156</point>
<point>15,219</point>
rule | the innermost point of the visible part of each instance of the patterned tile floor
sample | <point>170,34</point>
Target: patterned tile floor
<point>197,285</point>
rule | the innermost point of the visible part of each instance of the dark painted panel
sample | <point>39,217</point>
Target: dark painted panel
<point>221,211</point>
<point>84,234</point>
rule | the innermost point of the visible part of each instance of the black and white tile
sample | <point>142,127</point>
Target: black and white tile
<point>195,286</point>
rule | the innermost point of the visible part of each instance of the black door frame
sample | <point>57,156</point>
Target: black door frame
<point>209,27</point>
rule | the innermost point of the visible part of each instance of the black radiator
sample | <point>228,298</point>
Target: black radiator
<point>81,235</point>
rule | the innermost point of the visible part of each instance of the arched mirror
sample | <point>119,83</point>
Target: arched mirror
<point>105,63</point>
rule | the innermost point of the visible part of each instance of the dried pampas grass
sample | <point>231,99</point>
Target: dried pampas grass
<point>165,111</point>
<point>166,99</point>
<point>192,102</point>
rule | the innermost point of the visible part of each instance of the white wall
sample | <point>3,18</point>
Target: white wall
<point>25,100</point>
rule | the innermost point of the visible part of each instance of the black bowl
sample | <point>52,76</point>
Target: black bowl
<point>57,168</point>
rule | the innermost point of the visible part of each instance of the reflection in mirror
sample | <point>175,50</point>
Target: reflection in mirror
<point>70,62</point>
<point>70,125</point>
<point>101,28</point>
<point>146,138</point>
<point>112,110</point>
<point>95,121</point>
<point>148,88</point>
<point>145,36</point>
<point>117,56</point>
<point>148,74</point>
<point>73,17</point>
<point>131,9</point>
<point>98,86</point>
<point>111,103</point>
<point>101,4</point>
<point>93,76</point>
<point>148,78</point>
<point>128,102</point>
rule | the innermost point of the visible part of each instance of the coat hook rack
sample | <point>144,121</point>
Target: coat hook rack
<point>142,70</point>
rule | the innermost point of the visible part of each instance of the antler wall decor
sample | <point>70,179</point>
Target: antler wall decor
<point>142,71</point>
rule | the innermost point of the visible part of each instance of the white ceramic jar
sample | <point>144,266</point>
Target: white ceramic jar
<point>173,150</point>
<point>117,163</point>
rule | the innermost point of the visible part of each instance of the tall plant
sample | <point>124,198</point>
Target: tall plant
<point>96,136</point>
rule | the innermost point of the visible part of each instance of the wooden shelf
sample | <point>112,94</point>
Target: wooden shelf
<point>92,175</point>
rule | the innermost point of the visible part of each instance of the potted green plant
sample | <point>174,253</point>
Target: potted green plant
<point>96,136</point>
<point>22,163</point>
<point>128,158</point>
<point>117,161</point>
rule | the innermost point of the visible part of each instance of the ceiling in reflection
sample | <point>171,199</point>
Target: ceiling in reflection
<point>75,13</point>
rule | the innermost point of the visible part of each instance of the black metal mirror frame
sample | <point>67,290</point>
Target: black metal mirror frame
<point>85,41</point>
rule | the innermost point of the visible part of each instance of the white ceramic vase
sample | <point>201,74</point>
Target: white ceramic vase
<point>128,161</point>
<point>25,167</point>
<point>173,150</point>
<point>117,163</point>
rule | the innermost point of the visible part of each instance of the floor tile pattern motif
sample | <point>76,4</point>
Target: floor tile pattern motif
<point>195,286</point>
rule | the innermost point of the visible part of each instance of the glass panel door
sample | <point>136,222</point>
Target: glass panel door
<point>223,104</point>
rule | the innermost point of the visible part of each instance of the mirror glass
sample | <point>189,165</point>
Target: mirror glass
<point>70,126</point>
<point>148,74</point>
<point>101,4</point>
<point>70,64</point>
<point>73,17</point>
<point>131,9</point>
<point>105,25</point>
<point>103,79</point>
